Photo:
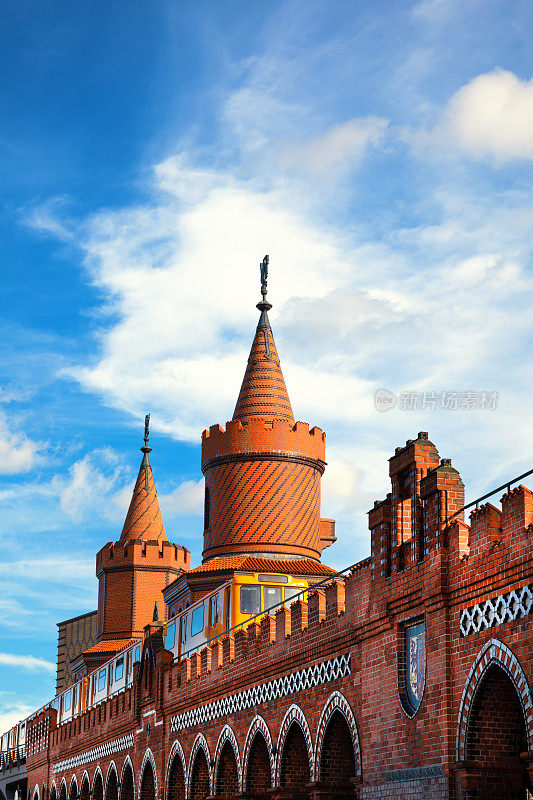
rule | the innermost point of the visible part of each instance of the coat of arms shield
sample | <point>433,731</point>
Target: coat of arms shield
<point>415,666</point>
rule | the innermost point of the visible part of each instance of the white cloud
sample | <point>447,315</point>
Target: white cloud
<point>91,483</point>
<point>187,498</point>
<point>30,663</point>
<point>18,453</point>
<point>492,116</point>
<point>337,151</point>
<point>12,711</point>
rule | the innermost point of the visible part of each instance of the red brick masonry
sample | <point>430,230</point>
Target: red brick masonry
<point>317,700</point>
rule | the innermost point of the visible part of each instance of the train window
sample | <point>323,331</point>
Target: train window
<point>290,593</point>
<point>250,599</point>
<point>215,610</point>
<point>101,680</point>
<point>272,595</point>
<point>67,701</point>
<point>119,669</point>
<point>197,620</point>
<point>184,628</point>
<point>137,653</point>
<point>170,636</point>
<point>74,697</point>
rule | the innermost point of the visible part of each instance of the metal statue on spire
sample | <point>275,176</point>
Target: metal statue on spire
<point>146,428</point>
<point>264,275</point>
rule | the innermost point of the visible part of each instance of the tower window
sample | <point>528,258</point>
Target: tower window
<point>207,508</point>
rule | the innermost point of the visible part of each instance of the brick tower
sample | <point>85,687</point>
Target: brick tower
<point>263,471</point>
<point>133,571</point>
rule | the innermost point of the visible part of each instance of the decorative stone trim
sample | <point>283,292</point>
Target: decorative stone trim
<point>294,714</point>
<point>176,751</point>
<point>503,608</point>
<point>199,743</point>
<point>258,727</point>
<point>316,675</point>
<point>336,702</point>
<point>493,652</point>
<point>103,750</point>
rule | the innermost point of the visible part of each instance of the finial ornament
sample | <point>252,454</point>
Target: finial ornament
<point>146,428</point>
<point>264,276</point>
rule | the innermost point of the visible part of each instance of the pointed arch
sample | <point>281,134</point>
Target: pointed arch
<point>111,782</point>
<point>63,791</point>
<point>85,786</point>
<point>176,760</point>
<point>493,653</point>
<point>258,727</point>
<point>227,735</point>
<point>225,764</point>
<point>53,790</point>
<point>294,717</point>
<point>36,792</point>
<point>336,702</point>
<point>147,759</point>
<point>71,793</point>
<point>200,743</point>
<point>98,784</point>
<point>127,780</point>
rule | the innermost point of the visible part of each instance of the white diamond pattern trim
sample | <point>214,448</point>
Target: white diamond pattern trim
<point>95,754</point>
<point>299,681</point>
<point>504,608</point>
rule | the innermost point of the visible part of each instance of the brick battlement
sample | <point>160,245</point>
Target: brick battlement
<point>143,554</point>
<point>263,436</point>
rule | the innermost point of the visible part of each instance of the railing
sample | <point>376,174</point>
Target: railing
<point>12,757</point>
<point>268,610</point>
<point>507,485</point>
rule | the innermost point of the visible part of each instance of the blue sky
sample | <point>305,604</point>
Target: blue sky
<point>150,155</point>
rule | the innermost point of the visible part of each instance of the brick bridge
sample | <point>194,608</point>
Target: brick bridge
<point>314,701</point>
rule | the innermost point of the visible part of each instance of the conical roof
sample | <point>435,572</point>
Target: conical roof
<point>144,520</point>
<point>263,392</point>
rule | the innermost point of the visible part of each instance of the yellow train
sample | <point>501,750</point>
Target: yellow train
<point>233,604</point>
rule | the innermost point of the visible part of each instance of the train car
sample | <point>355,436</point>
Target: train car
<point>234,603</point>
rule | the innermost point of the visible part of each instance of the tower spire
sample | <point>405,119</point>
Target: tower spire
<point>144,520</point>
<point>263,392</point>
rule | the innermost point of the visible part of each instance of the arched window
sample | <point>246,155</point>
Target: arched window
<point>337,766</point>
<point>111,792</point>
<point>98,788</point>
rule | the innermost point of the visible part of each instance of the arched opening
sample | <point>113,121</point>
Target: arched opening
<point>294,771</point>
<point>85,789</point>
<point>148,783</point>
<point>98,787</point>
<point>73,790</point>
<point>496,736</point>
<point>63,792</point>
<point>337,758</point>
<point>227,780</point>
<point>199,777</point>
<point>258,772</point>
<point>126,788</point>
<point>176,780</point>
<point>53,793</point>
<point>111,791</point>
